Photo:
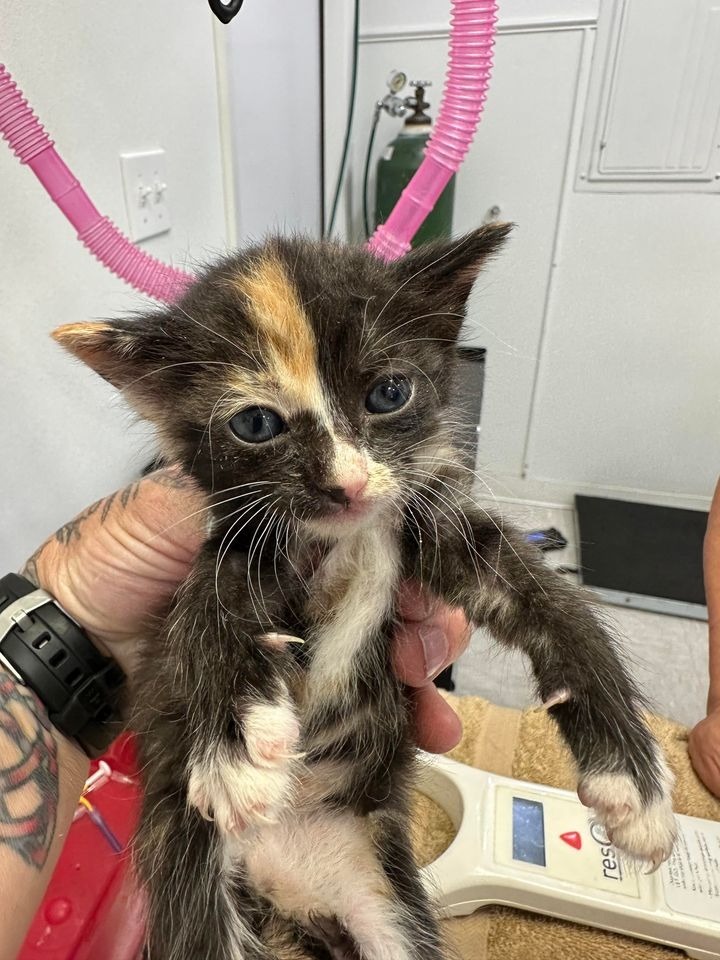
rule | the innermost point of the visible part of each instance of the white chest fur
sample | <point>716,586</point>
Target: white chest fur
<point>356,585</point>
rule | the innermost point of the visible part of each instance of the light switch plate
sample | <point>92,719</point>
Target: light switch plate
<point>146,187</point>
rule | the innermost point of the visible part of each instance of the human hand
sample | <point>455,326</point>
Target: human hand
<point>119,562</point>
<point>704,750</point>
<point>429,638</point>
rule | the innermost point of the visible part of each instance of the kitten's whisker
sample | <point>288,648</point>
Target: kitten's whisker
<point>241,510</point>
<point>502,539</point>
<point>294,521</point>
<point>283,522</point>
<point>426,511</point>
<point>405,323</point>
<point>401,508</point>
<point>257,541</point>
<point>401,343</point>
<point>230,536</point>
<point>458,513</point>
<point>262,542</point>
<point>462,527</point>
<point>460,316</point>
<point>465,537</point>
<point>182,363</point>
<point>362,329</point>
<point>208,430</point>
<point>427,508</point>
<point>209,506</point>
<point>394,330</point>
<point>248,576</point>
<point>490,517</point>
<point>235,346</point>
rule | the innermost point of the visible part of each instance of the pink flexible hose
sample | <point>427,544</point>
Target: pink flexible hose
<point>471,43</point>
<point>471,46</point>
<point>32,145</point>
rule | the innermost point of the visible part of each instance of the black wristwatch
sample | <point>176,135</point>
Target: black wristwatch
<point>46,650</point>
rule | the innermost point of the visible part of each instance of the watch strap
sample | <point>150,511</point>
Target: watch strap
<point>49,652</point>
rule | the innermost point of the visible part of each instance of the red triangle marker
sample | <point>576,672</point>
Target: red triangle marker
<point>572,838</point>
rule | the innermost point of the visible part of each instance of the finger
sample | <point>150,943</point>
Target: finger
<point>437,726</point>
<point>423,649</point>
<point>415,602</point>
<point>706,767</point>
<point>709,773</point>
<point>172,508</point>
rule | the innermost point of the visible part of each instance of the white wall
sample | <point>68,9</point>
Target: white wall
<point>600,318</point>
<point>105,78</point>
<point>273,50</point>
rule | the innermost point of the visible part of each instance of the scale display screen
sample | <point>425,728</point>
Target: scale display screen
<point>528,831</point>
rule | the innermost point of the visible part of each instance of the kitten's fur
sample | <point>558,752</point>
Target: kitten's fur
<point>277,776</point>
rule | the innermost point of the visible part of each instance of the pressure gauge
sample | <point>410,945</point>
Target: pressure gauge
<point>396,80</point>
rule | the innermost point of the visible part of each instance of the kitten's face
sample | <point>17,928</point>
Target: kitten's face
<point>299,379</point>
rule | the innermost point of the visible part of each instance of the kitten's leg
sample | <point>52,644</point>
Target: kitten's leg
<point>350,882</point>
<point>501,582</point>
<point>419,917</point>
<point>217,733</point>
<point>245,779</point>
<point>192,907</point>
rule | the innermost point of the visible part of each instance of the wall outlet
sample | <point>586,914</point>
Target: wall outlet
<point>146,188</point>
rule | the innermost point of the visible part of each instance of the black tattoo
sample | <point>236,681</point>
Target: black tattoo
<point>71,531</point>
<point>28,774</point>
<point>129,493</point>
<point>174,478</point>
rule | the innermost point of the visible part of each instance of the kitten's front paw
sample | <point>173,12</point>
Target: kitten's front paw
<point>643,831</point>
<point>240,788</point>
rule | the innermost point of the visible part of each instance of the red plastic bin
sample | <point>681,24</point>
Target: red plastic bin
<point>92,909</point>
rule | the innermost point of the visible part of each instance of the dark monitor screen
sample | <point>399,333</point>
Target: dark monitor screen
<point>641,548</point>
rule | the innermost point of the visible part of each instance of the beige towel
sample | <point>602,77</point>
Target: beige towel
<point>528,747</point>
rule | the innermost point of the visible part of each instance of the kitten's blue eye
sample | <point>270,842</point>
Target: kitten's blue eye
<point>389,394</point>
<point>256,425</point>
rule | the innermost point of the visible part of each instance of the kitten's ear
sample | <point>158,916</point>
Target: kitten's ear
<point>446,270</point>
<point>121,351</point>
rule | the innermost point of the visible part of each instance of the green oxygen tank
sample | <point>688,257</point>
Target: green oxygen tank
<point>399,161</point>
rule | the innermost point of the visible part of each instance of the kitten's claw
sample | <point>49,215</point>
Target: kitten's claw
<point>279,639</point>
<point>238,790</point>
<point>642,831</point>
<point>560,696</point>
<point>656,862</point>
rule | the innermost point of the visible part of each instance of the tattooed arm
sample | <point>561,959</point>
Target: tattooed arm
<point>111,567</point>
<point>41,775</point>
<point>118,561</point>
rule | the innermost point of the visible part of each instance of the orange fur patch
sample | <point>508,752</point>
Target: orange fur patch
<point>284,334</point>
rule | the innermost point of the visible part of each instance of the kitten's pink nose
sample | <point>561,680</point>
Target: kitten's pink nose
<point>353,485</point>
<point>347,492</point>
<point>350,475</point>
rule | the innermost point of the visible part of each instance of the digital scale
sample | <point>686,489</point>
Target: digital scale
<point>538,848</point>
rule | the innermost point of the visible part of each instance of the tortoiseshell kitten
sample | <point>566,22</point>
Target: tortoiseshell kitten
<point>306,387</point>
